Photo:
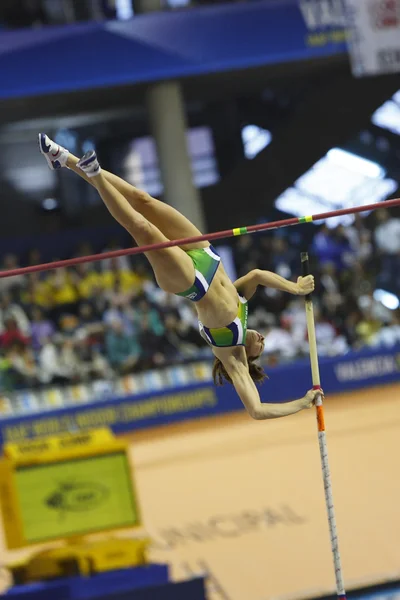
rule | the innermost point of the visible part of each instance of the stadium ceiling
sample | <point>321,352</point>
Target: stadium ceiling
<point>335,108</point>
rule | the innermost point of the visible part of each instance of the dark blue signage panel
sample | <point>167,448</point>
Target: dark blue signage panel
<point>168,45</point>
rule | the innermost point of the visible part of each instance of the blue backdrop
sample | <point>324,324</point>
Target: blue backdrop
<point>168,45</point>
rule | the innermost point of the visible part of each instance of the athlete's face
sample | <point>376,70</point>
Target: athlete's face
<point>254,343</point>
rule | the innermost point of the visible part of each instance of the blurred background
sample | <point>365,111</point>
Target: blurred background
<point>235,113</point>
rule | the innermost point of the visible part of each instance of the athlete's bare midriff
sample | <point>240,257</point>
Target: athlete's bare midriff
<point>219,306</point>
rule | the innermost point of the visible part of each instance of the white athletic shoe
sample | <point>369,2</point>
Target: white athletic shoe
<point>55,155</point>
<point>89,164</point>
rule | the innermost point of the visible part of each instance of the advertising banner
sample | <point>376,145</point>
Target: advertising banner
<point>170,44</point>
<point>374,36</point>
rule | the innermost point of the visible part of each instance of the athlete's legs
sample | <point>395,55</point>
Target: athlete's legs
<point>167,219</point>
<point>173,268</point>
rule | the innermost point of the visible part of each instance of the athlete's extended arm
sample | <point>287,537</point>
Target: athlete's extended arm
<point>249,395</point>
<point>249,283</point>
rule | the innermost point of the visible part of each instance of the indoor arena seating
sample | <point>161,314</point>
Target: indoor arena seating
<point>108,318</point>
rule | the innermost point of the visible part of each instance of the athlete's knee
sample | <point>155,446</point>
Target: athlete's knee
<point>141,199</point>
<point>141,229</point>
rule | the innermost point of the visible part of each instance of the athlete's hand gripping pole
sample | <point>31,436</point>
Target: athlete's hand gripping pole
<point>322,434</point>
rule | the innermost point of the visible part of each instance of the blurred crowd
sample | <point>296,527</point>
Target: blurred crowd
<point>106,319</point>
<point>357,276</point>
<point>92,321</point>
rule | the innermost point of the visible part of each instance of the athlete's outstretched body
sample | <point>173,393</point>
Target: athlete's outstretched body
<point>195,272</point>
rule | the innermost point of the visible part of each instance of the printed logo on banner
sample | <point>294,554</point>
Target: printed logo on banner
<point>367,368</point>
<point>374,40</point>
<point>325,22</point>
<point>319,14</point>
<point>384,14</point>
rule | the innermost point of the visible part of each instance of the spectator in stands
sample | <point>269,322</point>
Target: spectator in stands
<point>124,280</point>
<point>329,279</point>
<point>347,253</point>
<point>154,348</point>
<point>9,308</point>
<point>141,269</point>
<point>41,328</point>
<point>87,316</point>
<point>187,315</point>
<point>365,249</point>
<point>90,287</point>
<point>327,248</point>
<point>87,281</point>
<point>367,329</point>
<point>179,338</point>
<point>145,312</point>
<point>68,326</point>
<point>12,334</point>
<point>282,257</point>
<point>328,341</point>
<point>389,334</point>
<point>117,296</point>
<point>64,292</point>
<point>21,365</point>
<point>333,308</point>
<point>70,361</point>
<point>7,381</point>
<point>360,239</point>
<point>90,330</point>
<point>387,233</point>
<point>122,348</point>
<point>295,317</point>
<point>357,282</point>
<point>51,369</point>
<point>94,364</point>
<point>118,310</point>
<point>367,303</point>
<point>279,343</point>
<point>37,292</point>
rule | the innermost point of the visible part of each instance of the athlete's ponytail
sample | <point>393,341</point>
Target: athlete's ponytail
<point>220,374</point>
